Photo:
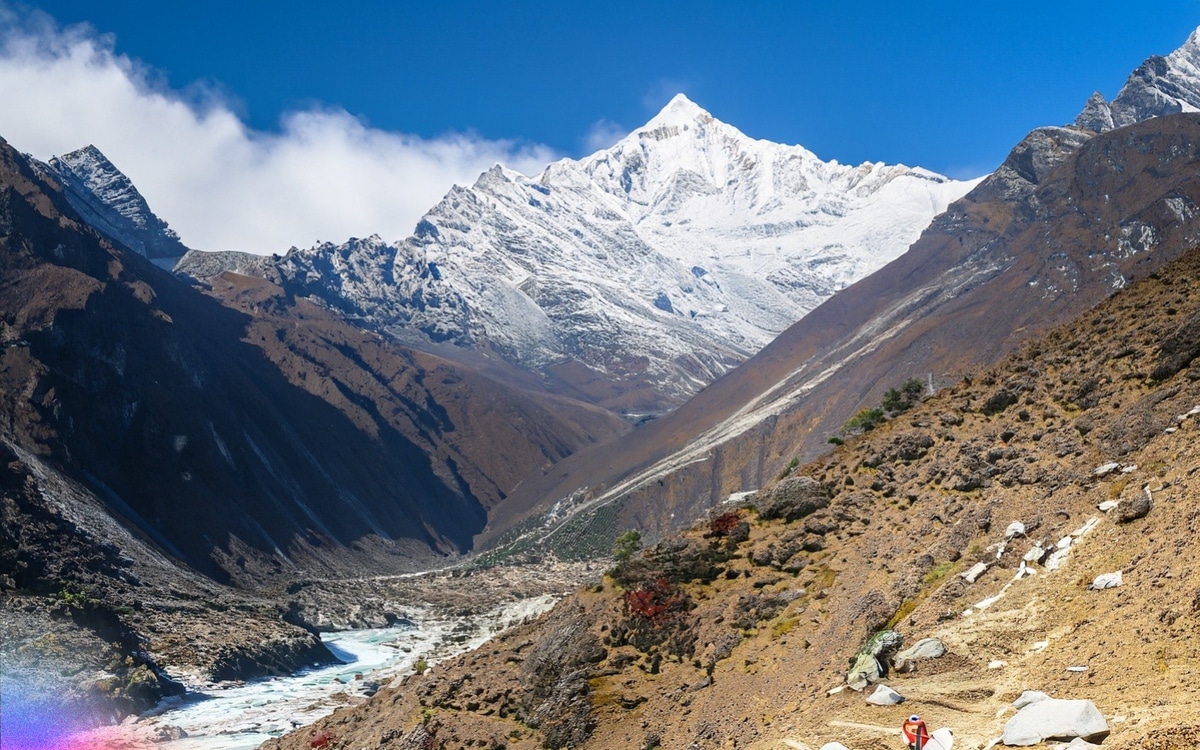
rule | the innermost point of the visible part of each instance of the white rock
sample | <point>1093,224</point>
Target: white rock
<point>1076,744</point>
<point>1055,561</point>
<point>1087,526</point>
<point>926,648</point>
<point>1054,719</point>
<point>1016,528</point>
<point>1039,646</point>
<point>941,739</point>
<point>974,572</point>
<point>884,696</point>
<point>834,746</point>
<point>997,664</point>
<point>1108,505</point>
<point>1195,410</point>
<point>1106,581</point>
<point>1129,469</point>
<point>1171,430</point>
<point>1028,698</point>
<point>1104,469</point>
<point>1078,669</point>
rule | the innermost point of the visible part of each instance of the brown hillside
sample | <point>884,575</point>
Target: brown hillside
<point>734,634</point>
<point>155,444</point>
<point>1064,222</point>
<point>236,438</point>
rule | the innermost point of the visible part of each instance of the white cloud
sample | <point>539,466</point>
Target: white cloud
<point>602,134</point>
<point>323,176</point>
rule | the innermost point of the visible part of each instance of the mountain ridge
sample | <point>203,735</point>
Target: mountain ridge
<point>660,263</point>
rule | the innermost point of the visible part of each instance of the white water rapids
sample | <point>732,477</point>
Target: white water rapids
<point>242,716</point>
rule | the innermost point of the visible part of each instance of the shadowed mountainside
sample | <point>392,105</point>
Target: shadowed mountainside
<point>236,439</point>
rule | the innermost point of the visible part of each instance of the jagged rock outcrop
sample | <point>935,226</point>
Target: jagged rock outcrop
<point>108,201</point>
<point>1160,86</point>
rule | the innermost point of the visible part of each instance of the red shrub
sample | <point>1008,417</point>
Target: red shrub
<point>653,601</point>
<point>721,525</point>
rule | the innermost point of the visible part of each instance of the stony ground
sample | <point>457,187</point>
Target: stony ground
<point>738,633</point>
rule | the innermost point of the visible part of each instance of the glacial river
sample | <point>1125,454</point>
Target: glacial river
<point>242,716</point>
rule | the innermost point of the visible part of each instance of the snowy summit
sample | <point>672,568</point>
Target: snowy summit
<point>664,260</point>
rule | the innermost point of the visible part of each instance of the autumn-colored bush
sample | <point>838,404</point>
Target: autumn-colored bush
<point>321,740</point>
<point>722,525</point>
<point>654,601</point>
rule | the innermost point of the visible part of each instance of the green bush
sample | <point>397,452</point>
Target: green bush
<point>627,544</point>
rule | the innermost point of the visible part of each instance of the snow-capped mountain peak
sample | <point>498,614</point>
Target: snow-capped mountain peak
<point>107,199</point>
<point>679,111</point>
<point>660,263</point>
<point>1159,86</point>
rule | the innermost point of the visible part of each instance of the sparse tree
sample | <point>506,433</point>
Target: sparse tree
<point>627,544</point>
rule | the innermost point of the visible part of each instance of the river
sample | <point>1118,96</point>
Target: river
<point>239,716</point>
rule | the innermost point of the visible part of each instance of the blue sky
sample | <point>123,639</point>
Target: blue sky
<point>947,86</point>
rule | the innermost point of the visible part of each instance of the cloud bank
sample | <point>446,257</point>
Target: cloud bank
<point>322,176</point>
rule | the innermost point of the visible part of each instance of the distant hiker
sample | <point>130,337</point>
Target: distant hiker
<point>915,733</point>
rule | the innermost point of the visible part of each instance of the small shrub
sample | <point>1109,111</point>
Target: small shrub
<point>724,524</point>
<point>654,602</point>
<point>626,545</point>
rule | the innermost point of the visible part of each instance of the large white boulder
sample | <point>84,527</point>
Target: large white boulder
<point>1055,719</point>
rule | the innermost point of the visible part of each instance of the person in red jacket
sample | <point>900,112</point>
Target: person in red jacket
<point>915,733</point>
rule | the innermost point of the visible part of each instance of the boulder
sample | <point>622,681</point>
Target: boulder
<point>941,739</point>
<point>834,746</point>
<point>884,696</point>
<point>869,664</point>
<point>1133,508</point>
<point>926,648</point>
<point>1055,719</point>
<point>1105,469</point>
<point>1016,528</point>
<point>974,572</point>
<point>1076,744</point>
<point>1106,581</point>
<point>792,499</point>
<point>1036,554</point>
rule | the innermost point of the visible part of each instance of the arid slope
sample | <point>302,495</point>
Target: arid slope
<point>733,634</point>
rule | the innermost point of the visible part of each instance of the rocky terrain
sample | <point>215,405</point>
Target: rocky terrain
<point>984,516</point>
